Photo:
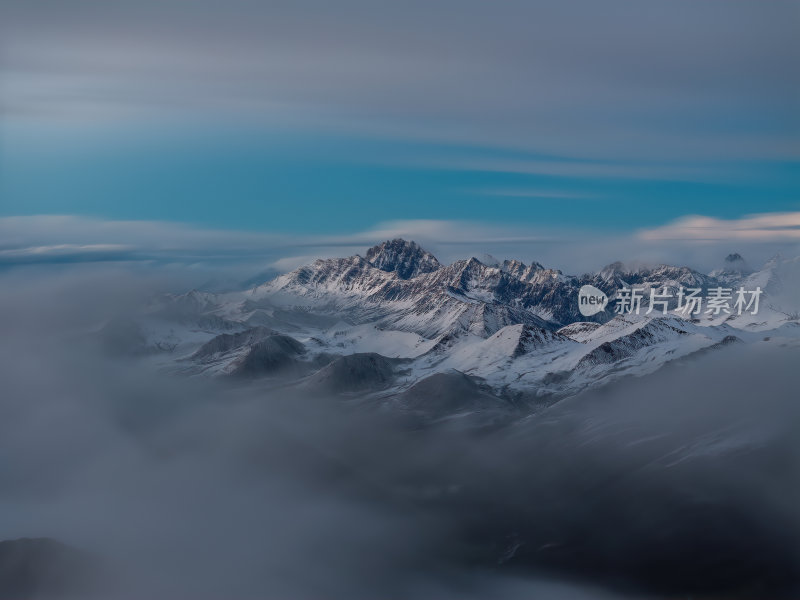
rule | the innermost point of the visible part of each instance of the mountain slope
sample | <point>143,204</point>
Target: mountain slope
<point>406,259</point>
<point>347,324</point>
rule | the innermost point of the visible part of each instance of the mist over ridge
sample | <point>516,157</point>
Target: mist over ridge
<point>217,488</point>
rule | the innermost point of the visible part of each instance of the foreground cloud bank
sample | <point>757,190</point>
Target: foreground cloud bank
<point>682,483</point>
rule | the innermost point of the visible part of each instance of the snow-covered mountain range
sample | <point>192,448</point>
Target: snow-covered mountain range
<point>395,323</point>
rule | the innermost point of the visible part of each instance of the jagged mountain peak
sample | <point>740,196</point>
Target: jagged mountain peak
<point>513,265</point>
<point>734,257</point>
<point>490,261</point>
<point>618,273</point>
<point>612,273</point>
<point>734,269</point>
<point>470,273</point>
<point>473,263</point>
<point>516,267</point>
<point>617,266</point>
<point>405,258</point>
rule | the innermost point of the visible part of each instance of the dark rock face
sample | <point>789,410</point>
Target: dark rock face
<point>622,347</point>
<point>522,271</point>
<point>487,297</point>
<point>271,355</point>
<point>226,342</point>
<point>444,394</point>
<point>734,257</point>
<point>354,373</point>
<point>531,338</point>
<point>406,259</point>
<point>578,328</point>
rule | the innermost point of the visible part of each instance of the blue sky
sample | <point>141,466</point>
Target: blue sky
<point>560,119</point>
<point>237,178</point>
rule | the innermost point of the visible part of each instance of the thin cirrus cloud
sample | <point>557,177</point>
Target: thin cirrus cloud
<point>694,240</point>
<point>46,238</point>
<point>54,238</point>
<point>544,194</point>
<point>706,79</point>
<point>66,253</point>
<point>765,227</point>
<point>587,169</point>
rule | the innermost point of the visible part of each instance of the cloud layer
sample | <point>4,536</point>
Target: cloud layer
<point>699,242</point>
<point>765,227</point>
<point>681,484</point>
<point>619,79</point>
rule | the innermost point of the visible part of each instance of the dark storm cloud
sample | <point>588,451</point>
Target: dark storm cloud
<point>610,79</point>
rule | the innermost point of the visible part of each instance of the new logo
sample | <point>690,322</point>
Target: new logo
<point>591,300</point>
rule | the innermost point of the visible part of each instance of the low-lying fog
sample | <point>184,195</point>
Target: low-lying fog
<point>686,482</point>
